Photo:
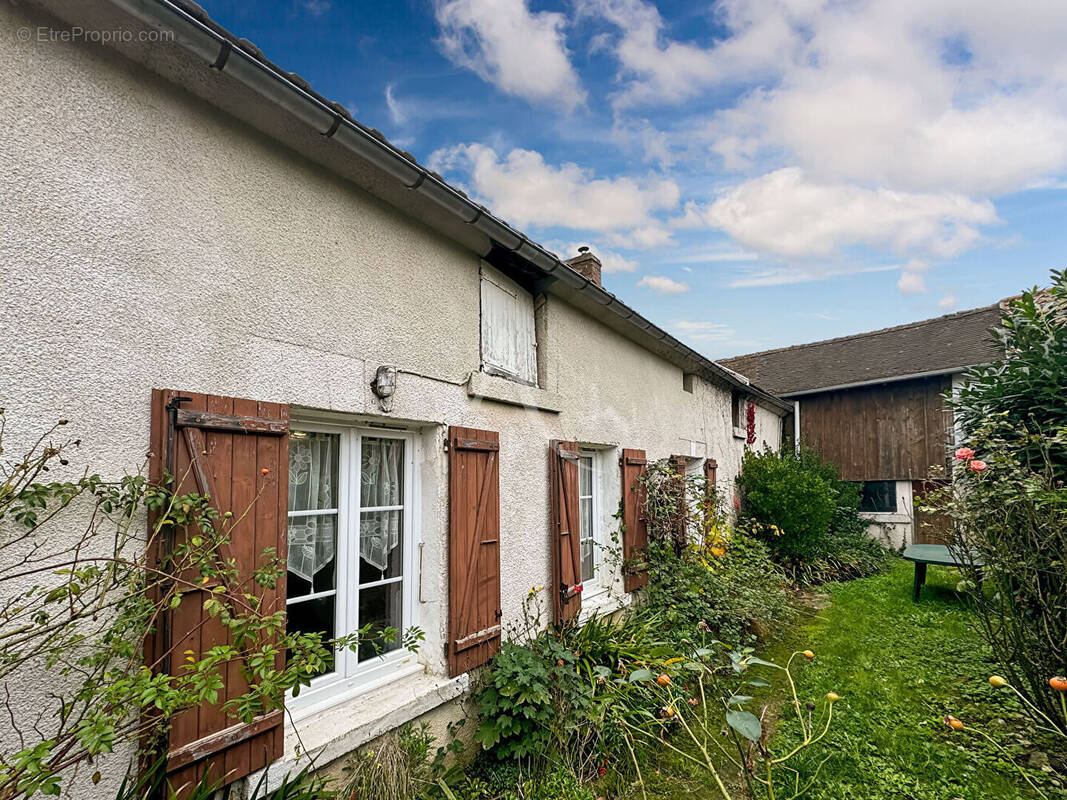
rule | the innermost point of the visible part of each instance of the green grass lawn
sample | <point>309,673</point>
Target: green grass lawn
<point>900,667</point>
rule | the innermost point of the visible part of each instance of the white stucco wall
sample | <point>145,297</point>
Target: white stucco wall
<point>148,240</point>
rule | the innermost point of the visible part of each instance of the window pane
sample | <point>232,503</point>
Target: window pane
<point>380,545</point>
<point>585,522</point>
<point>312,554</point>
<point>879,496</point>
<point>381,472</point>
<point>380,608</point>
<point>313,460</point>
<point>587,560</point>
<point>585,476</point>
<point>312,616</point>
<point>585,517</point>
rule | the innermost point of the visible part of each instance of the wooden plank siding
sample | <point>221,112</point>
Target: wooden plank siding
<point>890,431</point>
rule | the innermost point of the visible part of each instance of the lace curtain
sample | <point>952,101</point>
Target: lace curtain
<point>381,484</point>
<point>313,460</point>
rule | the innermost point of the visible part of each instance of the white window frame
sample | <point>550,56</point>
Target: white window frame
<point>494,290</point>
<point>350,677</point>
<point>601,581</point>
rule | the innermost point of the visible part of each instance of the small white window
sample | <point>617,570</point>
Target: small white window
<point>350,547</point>
<point>738,409</point>
<point>509,343</point>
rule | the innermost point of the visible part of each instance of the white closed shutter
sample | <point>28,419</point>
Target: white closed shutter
<point>509,344</point>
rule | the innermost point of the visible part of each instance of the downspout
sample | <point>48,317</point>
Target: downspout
<point>796,428</point>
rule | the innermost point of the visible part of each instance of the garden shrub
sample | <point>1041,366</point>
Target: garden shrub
<point>724,577</point>
<point>534,699</point>
<point>793,500</point>
<point>1007,498</point>
<point>809,518</point>
<point>1019,400</point>
<point>575,702</point>
<point>491,779</point>
<point>739,595</point>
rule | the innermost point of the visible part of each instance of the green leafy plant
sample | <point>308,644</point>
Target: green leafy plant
<point>533,700</point>
<point>688,719</point>
<point>723,577</point>
<point>791,499</point>
<point>491,779</point>
<point>1007,500</point>
<point>807,516</point>
<point>78,608</point>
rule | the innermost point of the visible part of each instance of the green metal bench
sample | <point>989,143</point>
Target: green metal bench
<point>925,554</point>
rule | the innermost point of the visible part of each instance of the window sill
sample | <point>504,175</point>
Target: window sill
<point>884,516</point>
<point>333,733</point>
<point>603,603</point>
<point>502,390</point>
<point>740,433</point>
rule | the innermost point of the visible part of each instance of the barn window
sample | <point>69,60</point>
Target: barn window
<point>350,545</point>
<point>879,497</point>
<point>509,342</point>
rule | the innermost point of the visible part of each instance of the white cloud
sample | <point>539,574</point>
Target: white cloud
<point>785,275</point>
<point>948,302</point>
<point>525,190</point>
<point>712,257</point>
<point>704,331</point>
<point>658,70</point>
<point>958,95</point>
<point>887,125</point>
<point>520,52</point>
<point>398,113</point>
<point>784,213</point>
<point>913,278</point>
<point>661,284</point>
<point>317,8</point>
<point>613,262</point>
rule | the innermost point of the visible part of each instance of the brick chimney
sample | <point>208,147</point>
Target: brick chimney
<point>586,264</point>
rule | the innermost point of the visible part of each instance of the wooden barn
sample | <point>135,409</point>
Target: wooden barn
<point>874,404</point>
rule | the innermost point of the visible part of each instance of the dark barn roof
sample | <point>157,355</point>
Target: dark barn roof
<point>938,345</point>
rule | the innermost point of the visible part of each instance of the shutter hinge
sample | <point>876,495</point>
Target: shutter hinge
<point>568,593</point>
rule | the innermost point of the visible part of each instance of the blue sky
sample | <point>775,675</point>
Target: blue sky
<point>753,173</point>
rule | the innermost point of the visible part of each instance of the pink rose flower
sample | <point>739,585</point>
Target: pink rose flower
<point>965,454</point>
<point>976,466</point>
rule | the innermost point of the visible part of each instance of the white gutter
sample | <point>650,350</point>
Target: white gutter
<point>876,381</point>
<point>285,91</point>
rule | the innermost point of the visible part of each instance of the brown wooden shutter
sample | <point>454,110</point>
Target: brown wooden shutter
<point>566,531</point>
<point>473,548</point>
<point>236,451</point>
<point>635,529</point>
<point>711,469</point>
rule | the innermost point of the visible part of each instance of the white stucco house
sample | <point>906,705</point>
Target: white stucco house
<point>183,218</point>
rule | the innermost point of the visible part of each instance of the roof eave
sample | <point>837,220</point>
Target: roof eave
<point>196,33</point>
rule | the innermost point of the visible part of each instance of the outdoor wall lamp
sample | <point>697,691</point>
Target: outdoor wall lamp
<point>383,386</point>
